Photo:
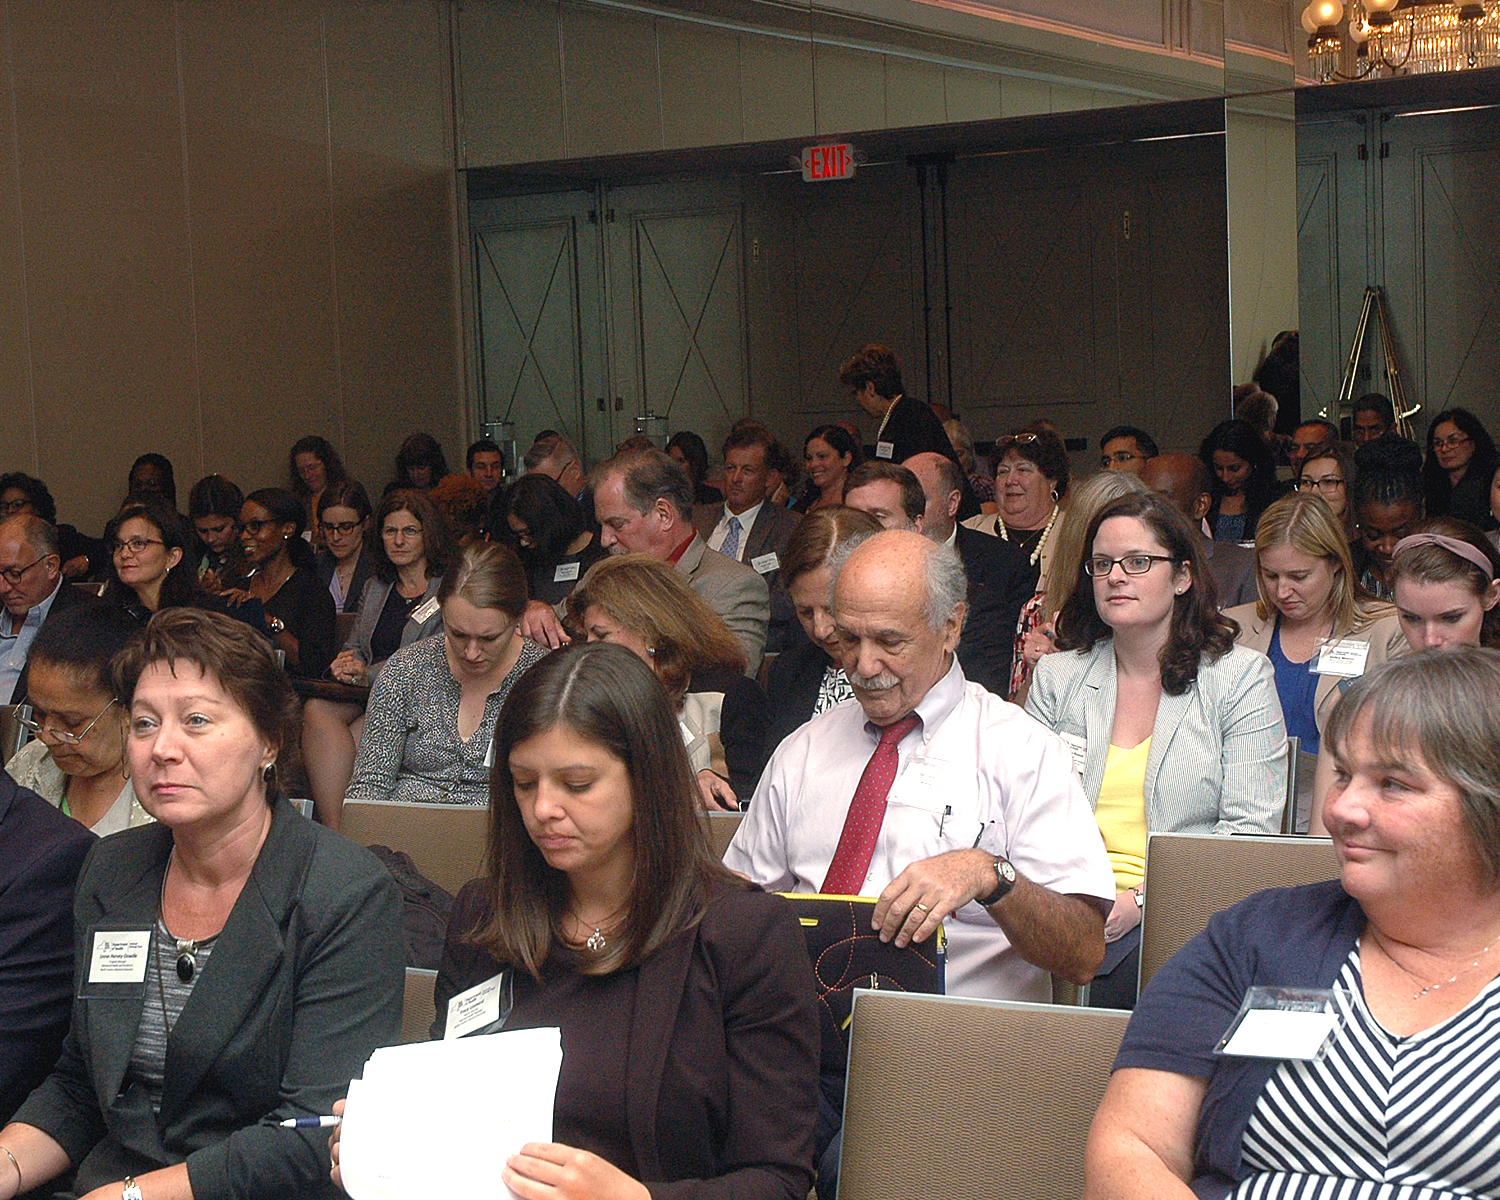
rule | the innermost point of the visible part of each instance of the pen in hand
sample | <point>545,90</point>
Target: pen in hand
<point>311,1122</point>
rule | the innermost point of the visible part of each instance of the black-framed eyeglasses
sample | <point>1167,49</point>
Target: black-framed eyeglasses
<point>1327,484</point>
<point>1132,564</point>
<point>8,507</point>
<point>26,719</point>
<point>14,575</point>
<point>343,528</point>
<point>253,528</point>
<point>135,545</point>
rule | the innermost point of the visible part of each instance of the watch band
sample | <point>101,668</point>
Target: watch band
<point>1005,876</point>
<point>132,1189</point>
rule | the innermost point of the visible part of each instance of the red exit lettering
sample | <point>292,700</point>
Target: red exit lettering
<point>835,161</point>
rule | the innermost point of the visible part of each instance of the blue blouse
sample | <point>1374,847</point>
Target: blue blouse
<point>1297,687</point>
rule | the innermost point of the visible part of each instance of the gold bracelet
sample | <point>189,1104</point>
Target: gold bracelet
<point>20,1183</point>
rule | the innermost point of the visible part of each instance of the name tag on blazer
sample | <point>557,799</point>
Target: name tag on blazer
<point>565,573</point>
<point>764,564</point>
<point>1078,747</point>
<point>426,610</point>
<point>118,957</point>
<point>1345,659</point>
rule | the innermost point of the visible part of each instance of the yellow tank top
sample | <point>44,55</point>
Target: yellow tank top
<point>1121,813</point>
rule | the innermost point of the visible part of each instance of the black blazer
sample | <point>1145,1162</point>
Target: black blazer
<point>40,854</point>
<point>305,605</point>
<point>305,981</point>
<point>1001,580</point>
<point>364,571</point>
<point>913,428</point>
<point>794,679</point>
<point>67,596</point>
<point>721,1093</point>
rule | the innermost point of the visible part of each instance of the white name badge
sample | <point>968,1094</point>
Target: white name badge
<point>764,564</point>
<point>119,956</point>
<point>476,1008</point>
<point>1345,659</point>
<point>426,610</point>
<point>565,573</point>
<point>885,449</point>
<point>1079,748</point>
<point>1281,1023</point>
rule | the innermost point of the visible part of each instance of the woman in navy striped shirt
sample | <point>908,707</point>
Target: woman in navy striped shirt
<point>1404,1101</point>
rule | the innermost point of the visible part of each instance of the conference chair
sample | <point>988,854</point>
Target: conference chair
<point>13,735</point>
<point>447,842</point>
<point>417,1008</point>
<point>950,1097</point>
<point>721,827</point>
<point>1191,876</point>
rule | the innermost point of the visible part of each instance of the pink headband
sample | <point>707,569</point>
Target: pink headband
<point>1453,545</point>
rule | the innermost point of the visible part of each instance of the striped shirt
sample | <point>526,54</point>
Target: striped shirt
<point>1382,1117</point>
<point>166,996</point>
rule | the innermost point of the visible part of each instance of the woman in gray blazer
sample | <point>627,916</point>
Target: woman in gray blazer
<point>1173,727</point>
<point>234,964</point>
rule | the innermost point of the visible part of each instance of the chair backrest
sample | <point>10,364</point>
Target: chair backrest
<point>721,829</point>
<point>417,1008</point>
<point>926,1117</point>
<point>1191,876</point>
<point>13,734</point>
<point>447,842</point>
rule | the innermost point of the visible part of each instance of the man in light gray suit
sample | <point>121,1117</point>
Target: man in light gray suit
<point>644,504</point>
<point>1183,479</point>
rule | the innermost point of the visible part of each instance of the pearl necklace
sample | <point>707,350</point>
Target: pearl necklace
<point>1040,542</point>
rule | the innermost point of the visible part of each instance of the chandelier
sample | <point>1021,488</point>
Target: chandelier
<point>1402,37</point>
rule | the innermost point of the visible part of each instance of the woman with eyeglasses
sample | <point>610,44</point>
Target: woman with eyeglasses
<point>77,762</point>
<point>1332,474</point>
<point>344,565</point>
<point>432,712</point>
<point>397,607</point>
<point>1173,727</point>
<point>1460,465</point>
<point>279,573</point>
<point>147,542</point>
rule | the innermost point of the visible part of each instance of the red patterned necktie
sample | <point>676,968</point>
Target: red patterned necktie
<point>851,861</point>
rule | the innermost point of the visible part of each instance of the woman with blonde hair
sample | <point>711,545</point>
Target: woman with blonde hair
<point>1039,616</point>
<point>1311,620</point>
<point>648,607</point>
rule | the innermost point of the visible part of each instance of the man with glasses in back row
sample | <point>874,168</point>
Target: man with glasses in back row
<point>31,589</point>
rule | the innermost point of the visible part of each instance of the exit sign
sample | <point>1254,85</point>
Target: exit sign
<point>834,161</point>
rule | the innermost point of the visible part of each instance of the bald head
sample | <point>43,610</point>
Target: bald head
<point>898,609</point>
<point>1182,479</point>
<point>28,549</point>
<point>943,486</point>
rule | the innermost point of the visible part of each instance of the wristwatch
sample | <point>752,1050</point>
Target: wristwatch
<point>132,1189</point>
<point>1140,898</point>
<point>1006,875</point>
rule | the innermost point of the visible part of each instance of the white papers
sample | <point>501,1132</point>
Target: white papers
<point>438,1119</point>
<point>1275,1033</point>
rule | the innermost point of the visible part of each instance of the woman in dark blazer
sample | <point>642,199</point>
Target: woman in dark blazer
<point>270,959</point>
<point>684,994</point>
<point>806,678</point>
<point>346,563</point>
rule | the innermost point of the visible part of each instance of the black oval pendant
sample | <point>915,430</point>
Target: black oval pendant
<point>185,967</point>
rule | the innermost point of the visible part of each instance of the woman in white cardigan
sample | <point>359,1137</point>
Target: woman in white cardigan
<point>1173,727</point>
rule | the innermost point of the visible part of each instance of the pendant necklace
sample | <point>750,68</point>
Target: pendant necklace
<point>596,941</point>
<point>1442,983</point>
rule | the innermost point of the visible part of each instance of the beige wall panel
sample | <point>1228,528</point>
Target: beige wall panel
<point>1261,159</point>
<point>971,95</point>
<point>106,261</point>
<point>611,84</point>
<point>849,88</point>
<point>394,231</point>
<point>777,83</point>
<point>914,93</point>
<point>512,81</point>
<point>1073,99</point>
<point>256,131</point>
<point>1020,97</point>
<point>18,446</point>
<point>700,84</point>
